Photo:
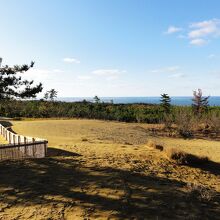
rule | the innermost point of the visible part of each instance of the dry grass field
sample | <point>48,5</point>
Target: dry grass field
<point>105,170</point>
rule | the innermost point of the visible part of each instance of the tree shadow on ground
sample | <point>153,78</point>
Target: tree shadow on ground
<point>126,194</point>
<point>210,166</point>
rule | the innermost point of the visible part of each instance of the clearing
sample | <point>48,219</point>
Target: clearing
<point>104,170</point>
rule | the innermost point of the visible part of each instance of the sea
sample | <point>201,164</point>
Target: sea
<point>175,100</point>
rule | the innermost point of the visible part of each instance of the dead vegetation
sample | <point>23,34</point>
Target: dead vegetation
<point>185,123</point>
<point>178,156</point>
<point>181,157</point>
<point>200,192</point>
<point>154,145</point>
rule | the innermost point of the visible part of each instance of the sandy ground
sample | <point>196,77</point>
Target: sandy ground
<point>104,170</point>
<point>69,132</point>
<point>2,140</point>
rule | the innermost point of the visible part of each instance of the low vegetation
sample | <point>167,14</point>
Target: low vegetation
<point>181,157</point>
<point>200,192</point>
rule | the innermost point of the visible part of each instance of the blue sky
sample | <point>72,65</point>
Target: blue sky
<point>115,47</point>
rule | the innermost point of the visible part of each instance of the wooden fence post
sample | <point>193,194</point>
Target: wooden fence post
<point>9,137</point>
<point>45,148</point>
<point>14,139</point>
<point>33,148</point>
<point>25,147</point>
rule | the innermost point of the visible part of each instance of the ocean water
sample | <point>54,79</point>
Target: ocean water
<point>178,100</point>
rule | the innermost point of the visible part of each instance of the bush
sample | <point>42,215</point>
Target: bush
<point>214,122</point>
<point>168,121</point>
<point>184,121</point>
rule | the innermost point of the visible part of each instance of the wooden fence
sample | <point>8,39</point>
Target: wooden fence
<point>20,146</point>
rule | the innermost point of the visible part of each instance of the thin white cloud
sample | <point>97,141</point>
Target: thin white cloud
<point>198,33</point>
<point>40,74</point>
<point>84,77</point>
<point>198,42</point>
<point>109,74</point>
<point>169,69</point>
<point>181,36</point>
<point>57,71</point>
<point>173,29</point>
<point>71,60</point>
<point>205,28</point>
<point>211,56</point>
<point>177,75</point>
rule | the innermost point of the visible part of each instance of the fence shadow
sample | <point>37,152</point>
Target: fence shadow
<point>210,166</point>
<point>68,180</point>
<point>6,123</point>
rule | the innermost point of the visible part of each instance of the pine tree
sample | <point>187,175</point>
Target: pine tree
<point>165,103</point>
<point>51,94</point>
<point>13,86</point>
<point>96,99</point>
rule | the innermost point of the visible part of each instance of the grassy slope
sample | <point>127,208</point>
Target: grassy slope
<point>97,170</point>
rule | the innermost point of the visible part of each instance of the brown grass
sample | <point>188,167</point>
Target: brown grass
<point>181,157</point>
<point>154,145</point>
<point>198,191</point>
<point>151,144</point>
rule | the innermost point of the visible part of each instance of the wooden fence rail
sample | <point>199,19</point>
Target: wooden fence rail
<point>20,146</point>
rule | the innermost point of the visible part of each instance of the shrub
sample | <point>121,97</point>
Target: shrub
<point>159,147</point>
<point>214,122</point>
<point>84,139</point>
<point>184,121</point>
<point>200,192</point>
<point>181,157</point>
<point>168,121</point>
